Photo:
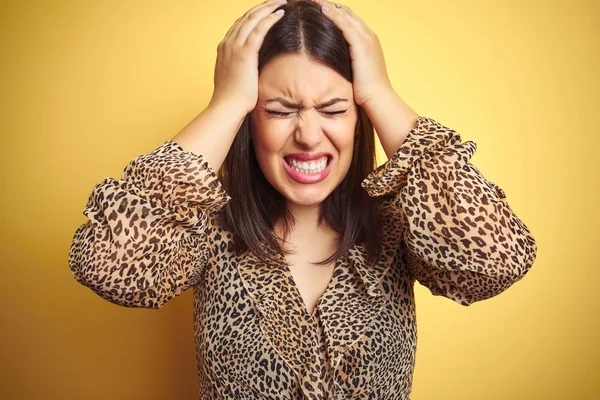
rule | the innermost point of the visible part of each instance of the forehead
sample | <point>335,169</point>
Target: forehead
<point>299,77</point>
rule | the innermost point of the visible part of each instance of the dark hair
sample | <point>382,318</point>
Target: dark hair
<point>255,205</point>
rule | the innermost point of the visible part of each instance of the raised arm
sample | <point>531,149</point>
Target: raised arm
<point>462,239</point>
<point>147,237</point>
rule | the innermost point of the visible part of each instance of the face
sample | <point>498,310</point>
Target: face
<point>305,116</point>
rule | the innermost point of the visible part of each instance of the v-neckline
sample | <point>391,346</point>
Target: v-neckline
<point>298,296</point>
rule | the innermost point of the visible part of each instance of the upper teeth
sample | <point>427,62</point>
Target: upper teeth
<point>304,166</point>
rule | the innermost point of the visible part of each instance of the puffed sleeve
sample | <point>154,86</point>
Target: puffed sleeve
<point>145,240</point>
<point>462,239</point>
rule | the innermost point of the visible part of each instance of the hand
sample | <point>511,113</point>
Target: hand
<point>368,64</point>
<point>236,69</point>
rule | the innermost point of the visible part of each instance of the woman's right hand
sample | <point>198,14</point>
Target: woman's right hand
<point>236,69</point>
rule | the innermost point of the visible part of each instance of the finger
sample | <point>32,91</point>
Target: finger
<point>252,19</point>
<point>358,19</point>
<point>257,36</point>
<point>233,30</point>
<point>341,18</point>
<point>344,18</point>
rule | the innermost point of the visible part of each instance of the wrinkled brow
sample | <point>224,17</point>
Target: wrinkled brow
<point>289,104</point>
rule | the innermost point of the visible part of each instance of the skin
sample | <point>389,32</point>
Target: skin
<point>236,94</point>
<point>308,128</point>
<point>212,132</point>
<point>391,116</point>
<point>298,79</point>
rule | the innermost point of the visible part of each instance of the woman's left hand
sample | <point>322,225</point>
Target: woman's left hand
<point>368,64</point>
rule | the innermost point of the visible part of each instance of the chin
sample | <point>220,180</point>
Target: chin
<point>306,199</point>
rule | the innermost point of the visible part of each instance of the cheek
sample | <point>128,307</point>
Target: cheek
<point>343,137</point>
<point>268,142</point>
<point>269,138</point>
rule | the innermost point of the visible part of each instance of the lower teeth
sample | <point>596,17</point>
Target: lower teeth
<point>307,172</point>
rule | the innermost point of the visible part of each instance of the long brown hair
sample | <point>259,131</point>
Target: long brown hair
<point>255,205</point>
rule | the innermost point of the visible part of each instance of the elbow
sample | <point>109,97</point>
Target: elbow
<point>493,283</point>
<point>520,259</point>
<point>507,261</point>
<point>135,298</point>
<point>469,286</point>
<point>111,287</point>
<point>148,298</point>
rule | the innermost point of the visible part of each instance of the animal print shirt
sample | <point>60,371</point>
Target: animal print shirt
<point>153,234</point>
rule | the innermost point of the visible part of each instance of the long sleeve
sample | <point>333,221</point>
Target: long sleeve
<point>462,239</point>
<point>145,240</point>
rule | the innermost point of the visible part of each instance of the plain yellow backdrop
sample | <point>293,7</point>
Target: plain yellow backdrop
<point>88,85</point>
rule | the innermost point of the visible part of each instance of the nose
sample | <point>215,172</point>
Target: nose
<point>309,132</point>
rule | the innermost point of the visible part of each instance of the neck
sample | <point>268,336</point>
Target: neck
<point>306,222</point>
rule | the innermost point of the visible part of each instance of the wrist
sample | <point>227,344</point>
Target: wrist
<point>392,119</point>
<point>380,97</point>
<point>228,107</point>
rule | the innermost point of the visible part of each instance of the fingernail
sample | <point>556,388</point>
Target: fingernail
<point>280,11</point>
<point>325,9</point>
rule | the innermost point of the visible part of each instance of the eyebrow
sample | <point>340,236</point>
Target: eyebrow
<point>289,104</point>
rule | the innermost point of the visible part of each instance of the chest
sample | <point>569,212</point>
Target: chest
<point>311,281</point>
<point>251,331</point>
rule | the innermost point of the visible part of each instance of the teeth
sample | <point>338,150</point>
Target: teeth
<point>309,167</point>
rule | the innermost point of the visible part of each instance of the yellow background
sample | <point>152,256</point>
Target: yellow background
<point>88,85</point>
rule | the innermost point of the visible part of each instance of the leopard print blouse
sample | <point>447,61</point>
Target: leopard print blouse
<point>153,234</point>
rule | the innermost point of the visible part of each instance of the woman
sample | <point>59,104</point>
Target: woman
<point>301,254</point>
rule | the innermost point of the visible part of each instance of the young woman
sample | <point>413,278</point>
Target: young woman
<point>301,254</point>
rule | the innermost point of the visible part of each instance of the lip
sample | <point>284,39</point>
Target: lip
<point>309,177</point>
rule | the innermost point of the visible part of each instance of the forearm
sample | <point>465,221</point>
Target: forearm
<point>392,118</point>
<point>211,133</point>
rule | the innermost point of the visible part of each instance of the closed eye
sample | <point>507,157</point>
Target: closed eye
<point>285,114</point>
